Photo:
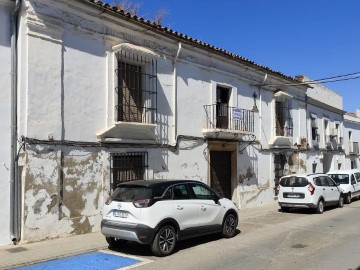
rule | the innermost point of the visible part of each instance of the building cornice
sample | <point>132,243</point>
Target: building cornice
<point>324,106</point>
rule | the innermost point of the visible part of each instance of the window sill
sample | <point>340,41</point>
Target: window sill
<point>281,142</point>
<point>128,131</point>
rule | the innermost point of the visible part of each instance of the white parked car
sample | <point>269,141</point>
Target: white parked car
<point>162,212</point>
<point>309,191</point>
<point>349,181</point>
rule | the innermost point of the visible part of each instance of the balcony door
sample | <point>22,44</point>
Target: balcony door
<point>222,107</point>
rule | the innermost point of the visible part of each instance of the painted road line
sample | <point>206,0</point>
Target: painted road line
<point>88,261</point>
<point>142,261</point>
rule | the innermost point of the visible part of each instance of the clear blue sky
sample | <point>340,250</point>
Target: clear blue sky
<point>317,38</point>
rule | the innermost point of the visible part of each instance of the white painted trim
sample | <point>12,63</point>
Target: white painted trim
<point>135,49</point>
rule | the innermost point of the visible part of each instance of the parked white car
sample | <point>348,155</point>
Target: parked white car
<point>309,191</point>
<point>349,181</point>
<point>162,212</point>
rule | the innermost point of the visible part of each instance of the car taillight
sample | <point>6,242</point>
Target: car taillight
<point>108,200</point>
<point>311,188</point>
<point>143,203</point>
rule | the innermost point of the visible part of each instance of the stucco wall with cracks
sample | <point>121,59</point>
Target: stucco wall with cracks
<point>63,190</point>
<point>255,185</point>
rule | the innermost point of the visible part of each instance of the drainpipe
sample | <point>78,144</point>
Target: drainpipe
<point>14,184</point>
<point>175,94</point>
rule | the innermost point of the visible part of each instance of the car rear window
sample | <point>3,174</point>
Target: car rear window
<point>294,181</point>
<point>131,193</point>
<point>340,178</point>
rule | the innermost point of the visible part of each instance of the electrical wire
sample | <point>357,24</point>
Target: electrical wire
<point>345,77</point>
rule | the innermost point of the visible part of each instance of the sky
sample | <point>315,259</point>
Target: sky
<point>316,38</point>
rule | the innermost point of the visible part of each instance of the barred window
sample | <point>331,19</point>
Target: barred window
<point>136,88</point>
<point>283,119</point>
<point>128,166</point>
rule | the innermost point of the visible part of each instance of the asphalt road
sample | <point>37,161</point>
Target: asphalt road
<point>275,240</point>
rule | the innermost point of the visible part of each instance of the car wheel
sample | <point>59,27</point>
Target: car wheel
<point>348,198</point>
<point>320,207</point>
<point>229,226</point>
<point>114,242</point>
<point>164,241</point>
<point>284,209</point>
<point>341,201</point>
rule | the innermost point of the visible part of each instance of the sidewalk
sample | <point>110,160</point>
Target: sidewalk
<point>12,256</point>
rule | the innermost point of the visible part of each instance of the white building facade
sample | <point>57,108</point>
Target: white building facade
<point>103,97</point>
<point>6,8</point>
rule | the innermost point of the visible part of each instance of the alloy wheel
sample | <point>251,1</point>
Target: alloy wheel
<point>166,240</point>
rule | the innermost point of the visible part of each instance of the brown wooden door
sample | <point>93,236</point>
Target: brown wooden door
<point>220,166</point>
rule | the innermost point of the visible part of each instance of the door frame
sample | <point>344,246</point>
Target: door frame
<point>228,147</point>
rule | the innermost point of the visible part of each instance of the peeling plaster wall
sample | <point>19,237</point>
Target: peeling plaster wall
<point>255,184</point>
<point>67,92</point>
<point>5,122</point>
<point>63,191</point>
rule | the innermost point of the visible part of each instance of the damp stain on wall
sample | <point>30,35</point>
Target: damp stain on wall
<point>248,175</point>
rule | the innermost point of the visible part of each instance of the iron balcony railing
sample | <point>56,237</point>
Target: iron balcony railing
<point>225,117</point>
<point>354,148</point>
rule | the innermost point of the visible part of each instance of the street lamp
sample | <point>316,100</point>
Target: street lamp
<point>255,109</point>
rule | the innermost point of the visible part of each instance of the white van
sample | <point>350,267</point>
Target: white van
<point>349,181</point>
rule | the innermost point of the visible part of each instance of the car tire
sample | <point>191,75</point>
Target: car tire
<point>348,198</point>
<point>320,207</point>
<point>229,226</point>
<point>341,201</point>
<point>114,242</point>
<point>284,209</point>
<point>164,241</point>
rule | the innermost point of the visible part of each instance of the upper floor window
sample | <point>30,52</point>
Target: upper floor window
<point>283,119</point>
<point>136,87</point>
<point>314,129</point>
<point>222,107</point>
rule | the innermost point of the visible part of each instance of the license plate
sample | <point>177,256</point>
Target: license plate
<point>120,214</point>
<point>293,196</point>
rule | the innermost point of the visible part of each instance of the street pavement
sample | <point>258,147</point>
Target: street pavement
<point>12,256</point>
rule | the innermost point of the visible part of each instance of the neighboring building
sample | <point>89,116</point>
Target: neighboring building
<point>352,139</point>
<point>104,97</point>
<point>325,130</point>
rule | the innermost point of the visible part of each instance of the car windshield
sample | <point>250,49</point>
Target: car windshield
<point>293,181</point>
<point>130,193</point>
<point>340,178</point>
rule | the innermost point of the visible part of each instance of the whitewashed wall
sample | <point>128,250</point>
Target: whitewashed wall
<point>351,123</point>
<point>67,93</point>
<point>5,122</point>
<point>318,157</point>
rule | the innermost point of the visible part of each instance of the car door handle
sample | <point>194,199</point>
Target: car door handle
<point>203,208</point>
<point>179,207</point>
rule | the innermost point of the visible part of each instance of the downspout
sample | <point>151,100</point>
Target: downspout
<point>14,185</point>
<point>175,95</point>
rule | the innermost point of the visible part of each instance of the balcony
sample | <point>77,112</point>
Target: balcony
<point>354,148</point>
<point>283,132</point>
<point>225,122</point>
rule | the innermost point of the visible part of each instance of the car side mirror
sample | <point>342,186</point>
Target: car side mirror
<point>216,199</point>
